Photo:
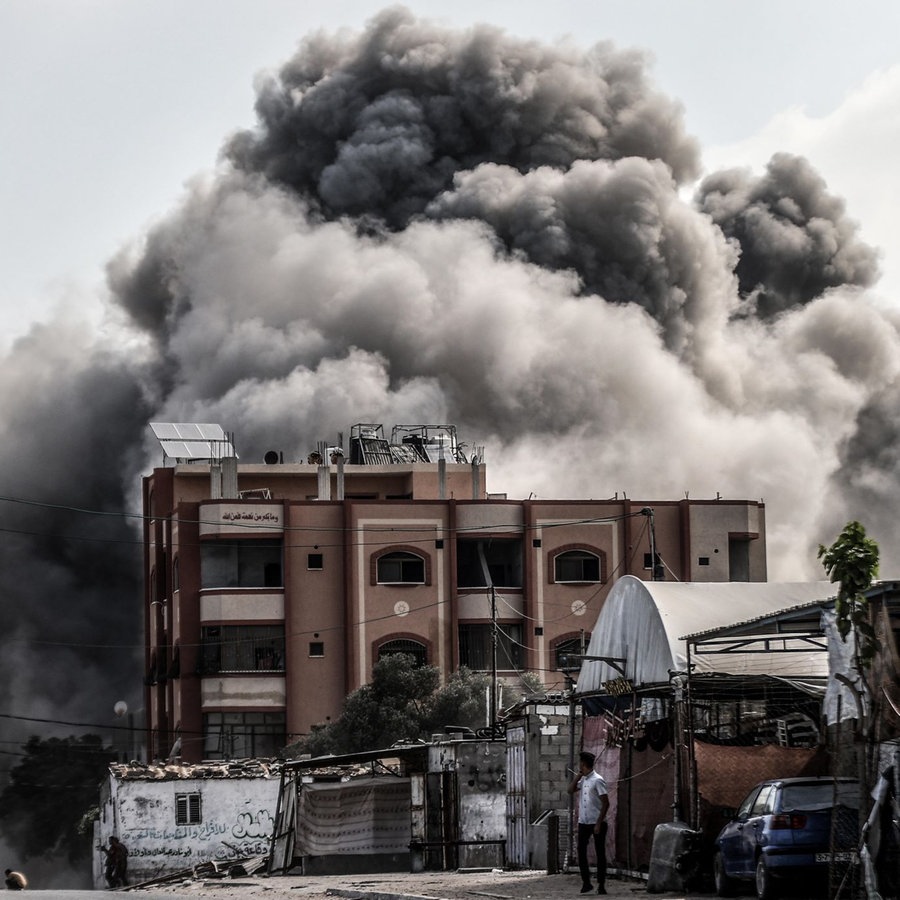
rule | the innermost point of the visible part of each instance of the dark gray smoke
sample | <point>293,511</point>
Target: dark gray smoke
<point>796,240</point>
<point>72,413</point>
<point>380,126</point>
<point>432,225</point>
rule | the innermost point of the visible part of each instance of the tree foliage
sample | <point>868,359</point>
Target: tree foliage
<point>403,702</point>
<point>49,791</point>
<point>851,562</point>
<point>462,701</point>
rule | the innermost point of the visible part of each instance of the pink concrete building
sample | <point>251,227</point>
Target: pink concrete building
<point>273,588</point>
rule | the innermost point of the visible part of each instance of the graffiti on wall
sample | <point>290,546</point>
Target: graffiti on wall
<point>248,836</point>
<point>261,825</point>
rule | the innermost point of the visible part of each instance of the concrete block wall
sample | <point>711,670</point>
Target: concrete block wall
<point>549,749</point>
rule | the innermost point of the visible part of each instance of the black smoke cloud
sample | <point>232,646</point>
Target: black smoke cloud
<point>68,577</point>
<point>436,225</point>
<point>795,239</point>
<point>379,127</point>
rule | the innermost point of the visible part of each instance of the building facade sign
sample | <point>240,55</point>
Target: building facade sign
<point>245,519</point>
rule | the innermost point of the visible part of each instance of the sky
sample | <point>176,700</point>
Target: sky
<point>108,107</point>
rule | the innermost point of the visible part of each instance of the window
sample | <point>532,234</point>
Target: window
<point>647,560</point>
<point>475,647</point>
<point>746,805</point>
<point>401,568</point>
<point>240,564</point>
<point>416,649</point>
<point>763,803</point>
<point>316,648</point>
<point>819,796</point>
<point>187,809</point>
<point>738,559</point>
<point>241,648</point>
<point>314,561</point>
<point>702,560</point>
<point>242,735</point>
<point>483,563</point>
<point>568,652</point>
<point>576,566</point>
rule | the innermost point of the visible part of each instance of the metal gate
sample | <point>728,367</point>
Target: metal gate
<point>441,821</point>
<point>516,799</point>
<point>281,850</point>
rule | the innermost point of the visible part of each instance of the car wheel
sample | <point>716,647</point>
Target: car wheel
<point>765,884</point>
<point>724,884</point>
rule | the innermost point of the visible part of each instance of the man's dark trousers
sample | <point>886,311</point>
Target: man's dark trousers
<point>585,833</point>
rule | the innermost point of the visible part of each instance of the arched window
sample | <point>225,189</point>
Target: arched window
<point>577,566</point>
<point>400,567</point>
<point>416,649</point>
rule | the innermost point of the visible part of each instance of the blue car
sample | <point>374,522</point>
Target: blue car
<point>788,828</point>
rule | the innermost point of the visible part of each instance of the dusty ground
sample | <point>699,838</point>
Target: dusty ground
<point>484,885</point>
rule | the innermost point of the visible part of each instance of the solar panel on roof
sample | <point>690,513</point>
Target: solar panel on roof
<point>192,440</point>
<point>188,431</point>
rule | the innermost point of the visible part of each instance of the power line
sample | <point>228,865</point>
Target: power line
<point>64,722</point>
<point>325,529</point>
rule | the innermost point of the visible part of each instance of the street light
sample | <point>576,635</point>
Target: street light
<point>130,750</point>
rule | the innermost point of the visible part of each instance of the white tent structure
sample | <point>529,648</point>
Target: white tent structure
<point>641,630</point>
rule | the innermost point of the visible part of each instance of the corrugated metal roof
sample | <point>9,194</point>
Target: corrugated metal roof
<point>761,624</point>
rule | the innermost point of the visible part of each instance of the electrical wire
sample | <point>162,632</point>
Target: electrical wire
<point>315,529</point>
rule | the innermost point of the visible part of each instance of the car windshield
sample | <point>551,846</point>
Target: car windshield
<point>819,796</point>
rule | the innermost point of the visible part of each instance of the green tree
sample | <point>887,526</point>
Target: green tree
<point>403,702</point>
<point>390,708</point>
<point>532,683</point>
<point>49,791</point>
<point>461,701</point>
<point>851,562</point>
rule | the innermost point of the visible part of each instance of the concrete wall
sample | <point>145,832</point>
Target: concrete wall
<point>480,768</point>
<point>548,756</point>
<point>237,818</point>
<point>712,527</point>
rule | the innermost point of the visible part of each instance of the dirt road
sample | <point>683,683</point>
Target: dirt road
<point>483,885</point>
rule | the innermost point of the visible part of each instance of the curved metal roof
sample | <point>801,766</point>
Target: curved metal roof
<point>645,623</point>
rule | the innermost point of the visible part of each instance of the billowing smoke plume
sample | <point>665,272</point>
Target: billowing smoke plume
<point>795,239</point>
<point>73,415</point>
<point>430,225</point>
<point>381,126</point>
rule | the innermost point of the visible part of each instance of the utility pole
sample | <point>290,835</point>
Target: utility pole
<point>656,569</point>
<point>493,659</point>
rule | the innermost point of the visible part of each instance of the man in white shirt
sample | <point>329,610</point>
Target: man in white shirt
<point>593,805</point>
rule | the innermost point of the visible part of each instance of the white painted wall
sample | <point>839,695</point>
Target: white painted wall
<point>237,820</point>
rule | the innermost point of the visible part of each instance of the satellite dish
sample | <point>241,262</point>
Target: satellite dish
<point>120,708</point>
